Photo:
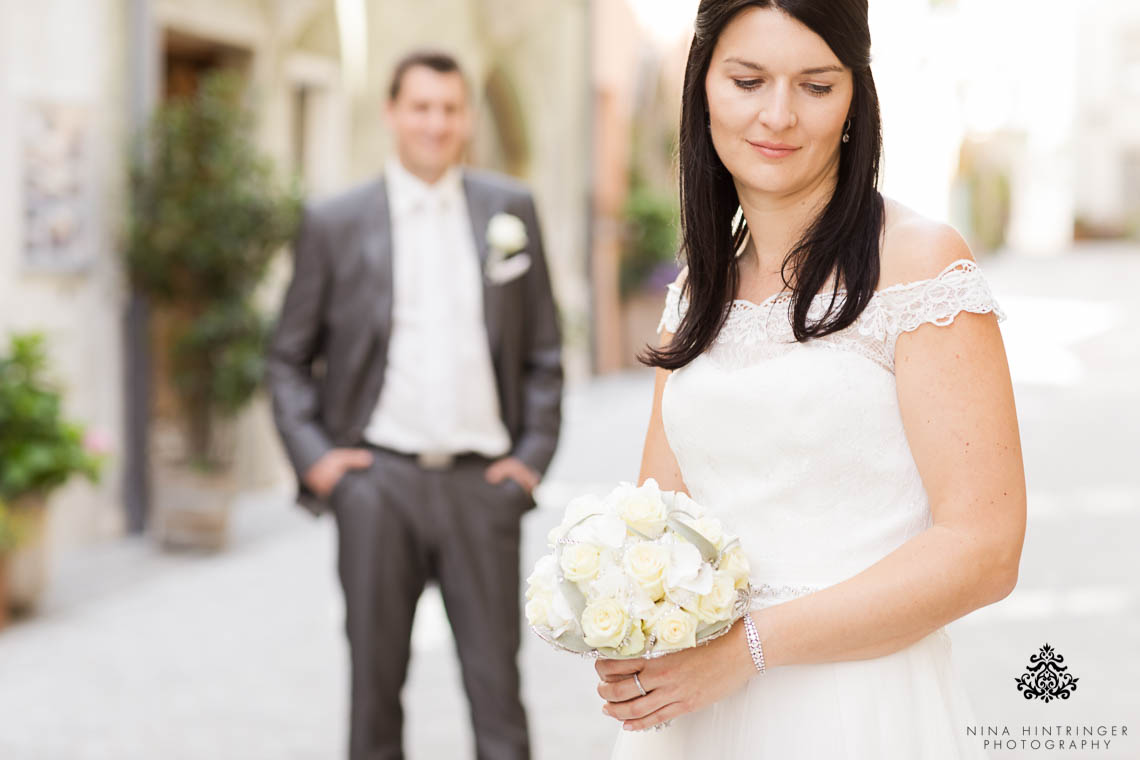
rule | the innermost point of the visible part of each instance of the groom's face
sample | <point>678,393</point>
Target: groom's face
<point>431,120</point>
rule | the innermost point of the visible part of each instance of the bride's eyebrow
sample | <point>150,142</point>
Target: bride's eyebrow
<point>760,67</point>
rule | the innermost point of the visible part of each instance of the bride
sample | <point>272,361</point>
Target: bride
<point>832,381</point>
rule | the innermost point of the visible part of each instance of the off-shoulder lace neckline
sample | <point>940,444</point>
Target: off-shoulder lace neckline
<point>785,295</point>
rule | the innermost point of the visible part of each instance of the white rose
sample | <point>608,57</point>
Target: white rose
<point>716,605</point>
<point>538,610</point>
<point>506,233</point>
<point>675,629</point>
<point>544,578</point>
<point>578,509</point>
<point>642,508</point>
<point>735,563</point>
<point>605,530</point>
<point>604,623</point>
<point>559,615</point>
<point>646,563</point>
<point>580,562</point>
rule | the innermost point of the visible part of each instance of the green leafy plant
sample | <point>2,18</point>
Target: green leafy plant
<point>207,217</point>
<point>39,449</point>
<point>651,236</point>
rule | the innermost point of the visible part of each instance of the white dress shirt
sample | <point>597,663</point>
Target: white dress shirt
<point>439,392</point>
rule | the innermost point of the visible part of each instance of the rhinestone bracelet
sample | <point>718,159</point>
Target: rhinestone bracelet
<point>754,647</point>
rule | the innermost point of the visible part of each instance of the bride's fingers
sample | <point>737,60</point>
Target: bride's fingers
<point>638,708</point>
<point>620,689</point>
<point>668,712</point>
<point>613,670</point>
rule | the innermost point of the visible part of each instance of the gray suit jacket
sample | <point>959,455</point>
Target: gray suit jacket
<point>328,353</point>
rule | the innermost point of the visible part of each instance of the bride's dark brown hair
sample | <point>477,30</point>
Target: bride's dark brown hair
<point>844,238</point>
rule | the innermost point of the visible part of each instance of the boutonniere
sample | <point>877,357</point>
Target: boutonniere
<point>506,239</point>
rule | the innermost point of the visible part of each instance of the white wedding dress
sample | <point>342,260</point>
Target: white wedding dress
<point>800,449</point>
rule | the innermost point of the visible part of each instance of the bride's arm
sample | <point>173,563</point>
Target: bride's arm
<point>957,406</point>
<point>657,459</point>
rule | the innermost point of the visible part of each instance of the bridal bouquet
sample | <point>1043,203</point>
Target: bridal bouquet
<point>638,573</point>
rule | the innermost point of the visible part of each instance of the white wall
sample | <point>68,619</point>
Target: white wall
<point>68,52</point>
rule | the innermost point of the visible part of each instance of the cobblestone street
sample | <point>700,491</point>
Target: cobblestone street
<point>143,655</point>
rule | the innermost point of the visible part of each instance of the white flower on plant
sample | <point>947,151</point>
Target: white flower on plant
<point>641,507</point>
<point>675,628</point>
<point>580,562</point>
<point>605,623</point>
<point>646,563</point>
<point>97,441</point>
<point>506,234</point>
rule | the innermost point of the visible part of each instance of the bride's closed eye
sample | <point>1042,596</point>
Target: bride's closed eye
<point>816,90</point>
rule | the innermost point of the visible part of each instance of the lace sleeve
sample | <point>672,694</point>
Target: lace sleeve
<point>675,306</point>
<point>938,300</point>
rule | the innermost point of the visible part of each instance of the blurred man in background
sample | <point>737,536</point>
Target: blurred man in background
<point>416,379</point>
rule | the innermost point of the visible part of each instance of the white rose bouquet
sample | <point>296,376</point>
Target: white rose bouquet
<point>639,573</point>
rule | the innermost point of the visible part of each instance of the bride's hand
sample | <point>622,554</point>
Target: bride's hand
<point>677,683</point>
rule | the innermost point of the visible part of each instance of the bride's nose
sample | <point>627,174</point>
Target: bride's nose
<point>776,110</point>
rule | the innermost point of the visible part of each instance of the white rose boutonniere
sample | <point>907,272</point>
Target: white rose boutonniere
<point>506,239</point>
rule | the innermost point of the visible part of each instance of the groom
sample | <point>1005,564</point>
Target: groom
<point>416,380</point>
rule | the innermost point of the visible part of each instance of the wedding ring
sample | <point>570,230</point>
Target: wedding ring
<point>640,688</point>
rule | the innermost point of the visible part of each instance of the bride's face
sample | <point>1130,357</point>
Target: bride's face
<point>778,99</point>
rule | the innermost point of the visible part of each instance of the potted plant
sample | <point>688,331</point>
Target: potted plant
<point>206,220</point>
<point>39,451</point>
<point>648,261</point>
<point>7,541</point>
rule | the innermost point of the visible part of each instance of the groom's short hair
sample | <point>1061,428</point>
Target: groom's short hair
<point>434,59</point>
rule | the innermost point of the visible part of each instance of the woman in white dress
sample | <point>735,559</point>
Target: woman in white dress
<point>832,382</point>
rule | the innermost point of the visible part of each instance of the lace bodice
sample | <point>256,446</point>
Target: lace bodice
<point>800,447</point>
<point>755,331</point>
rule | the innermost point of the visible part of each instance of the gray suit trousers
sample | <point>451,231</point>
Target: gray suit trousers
<point>400,526</point>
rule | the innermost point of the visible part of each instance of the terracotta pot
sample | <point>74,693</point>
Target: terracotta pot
<point>191,507</point>
<point>27,564</point>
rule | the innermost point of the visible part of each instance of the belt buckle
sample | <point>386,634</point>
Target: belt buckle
<point>435,460</point>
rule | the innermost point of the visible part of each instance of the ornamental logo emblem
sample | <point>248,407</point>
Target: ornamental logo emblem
<point>1046,678</point>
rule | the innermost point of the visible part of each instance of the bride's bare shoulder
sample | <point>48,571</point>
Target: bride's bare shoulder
<point>916,247</point>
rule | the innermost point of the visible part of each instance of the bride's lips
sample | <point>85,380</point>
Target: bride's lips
<point>773,149</point>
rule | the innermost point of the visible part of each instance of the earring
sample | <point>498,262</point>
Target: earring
<point>846,130</point>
